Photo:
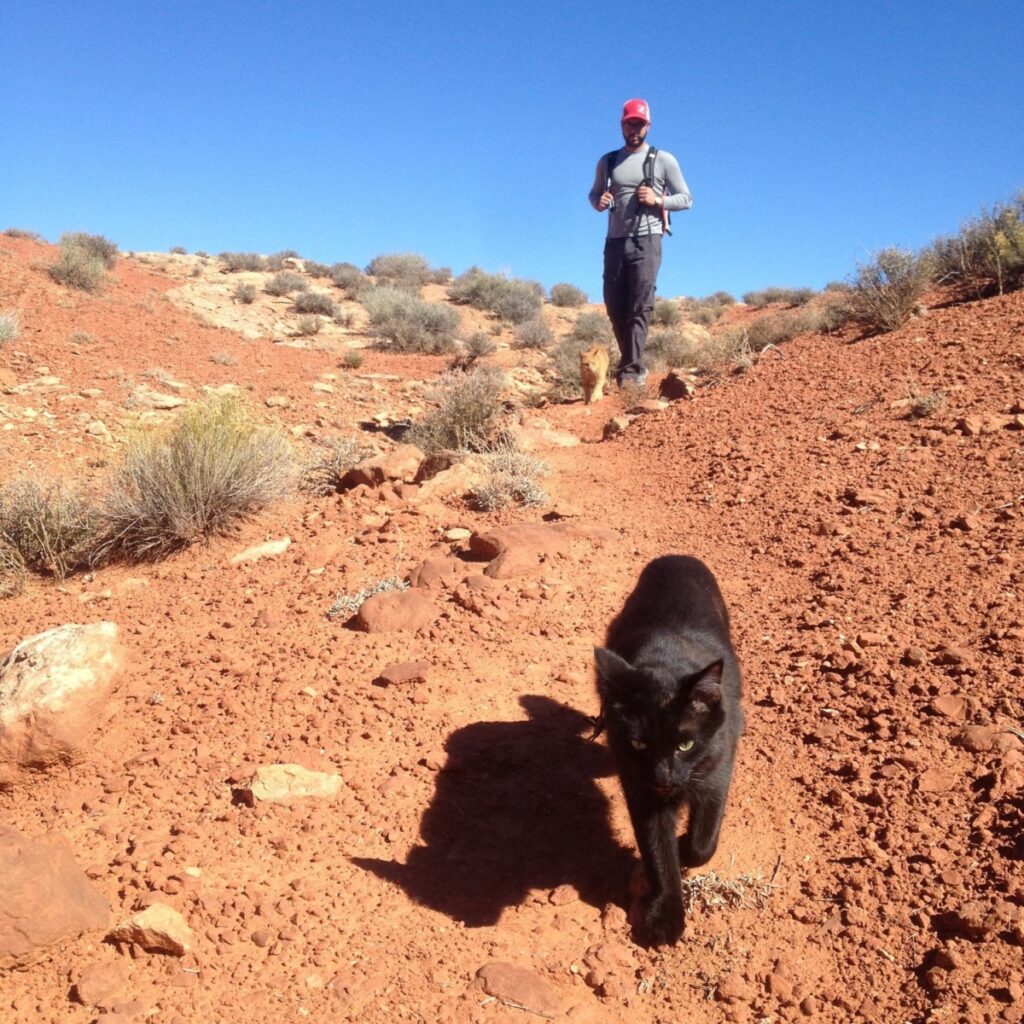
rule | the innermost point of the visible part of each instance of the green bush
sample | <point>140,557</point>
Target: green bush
<point>401,269</point>
<point>316,302</point>
<point>508,298</point>
<point>349,278</point>
<point>886,290</point>
<point>233,262</point>
<point>469,413</point>
<point>10,325</point>
<point>284,282</point>
<point>567,295</point>
<point>408,324</point>
<point>988,253</point>
<point>533,334</point>
<point>215,465</point>
<point>48,529</point>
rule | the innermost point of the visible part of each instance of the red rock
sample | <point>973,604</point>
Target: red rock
<point>952,656</point>
<point>914,656</point>
<point>676,385</point>
<point>46,897</point>
<point>935,780</point>
<point>978,739</point>
<point>732,988</point>
<point>615,427</point>
<point>405,672</point>
<point>949,706</point>
<point>518,985</point>
<point>437,573</point>
<point>95,983</point>
<point>395,611</point>
<point>401,463</point>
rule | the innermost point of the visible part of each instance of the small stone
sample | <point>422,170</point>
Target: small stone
<point>935,780</point>
<point>518,985</point>
<point>948,706</point>
<point>261,937</point>
<point>282,783</point>
<point>457,533</point>
<point>157,929</point>
<point>96,983</point>
<point>404,672</point>
<point>268,549</point>
<point>914,656</point>
<point>616,427</point>
<point>732,988</point>
<point>952,656</point>
<point>978,739</point>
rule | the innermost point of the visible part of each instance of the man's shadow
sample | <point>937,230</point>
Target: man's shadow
<point>516,808</point>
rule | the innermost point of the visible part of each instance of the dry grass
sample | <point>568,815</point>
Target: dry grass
<point>217,464</point>
<point>13,571</point>
<point>713,892</point>
<point>334,457</point>
<point>468,414</point>
<point>346,605</point>
<point>10,325</point>
<point>49,529</point>
<point>512,479</point>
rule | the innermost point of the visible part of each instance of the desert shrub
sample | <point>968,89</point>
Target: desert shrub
<point>478,345</point>
<point>672,348</point>
<point>508,298</point>
<point>512,478</point>
<point>233,262</point>
<point>344,318</point>
<point>80,264</point>
<point>23,233</point>
<point>13,571</point>
<point>666,313</point>
<point>408,324</point>
<point>565,361</point>
<point>592,327</point>
<point>308,325</point>
<point>924,404</point>
<point>178,250</point>
<point>96,245</point>
<point>468,414</point>
<point>988,253</point>
<point>352,359</point>
<point>333,458</point>
<point>50,529</point>
<point>886,290</point>
<point>315,269</point>
<point>772,329</point>
<point>244,293</point>
<point>346,605</point>
<point>567,295</point>
<point>786,296</point>
<point>284,282</point>
<point>315,302</point>
<point>440,275</point>
<point>223,359</point>
<point>10,325</point>
<point>349,278</point>
<point>533,334</point>
<point>400,269</point>
<point>215,465</point>
<point>276,261</point>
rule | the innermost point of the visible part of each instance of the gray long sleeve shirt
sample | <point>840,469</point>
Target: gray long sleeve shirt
<point>627,217</point>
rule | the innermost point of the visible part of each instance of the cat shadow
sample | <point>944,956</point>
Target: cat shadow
<point>515,808</point>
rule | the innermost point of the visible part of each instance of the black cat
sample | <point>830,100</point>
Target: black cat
<point>669,683</point>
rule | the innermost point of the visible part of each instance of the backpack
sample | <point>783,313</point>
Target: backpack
<point>612,158</point>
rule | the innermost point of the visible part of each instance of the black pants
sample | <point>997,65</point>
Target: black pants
<point>630,275</point>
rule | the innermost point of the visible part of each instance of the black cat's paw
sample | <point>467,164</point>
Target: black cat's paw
<point>662,921</point>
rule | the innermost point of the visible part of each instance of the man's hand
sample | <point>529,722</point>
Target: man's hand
<point>605,201</point>
<point>646,196</point>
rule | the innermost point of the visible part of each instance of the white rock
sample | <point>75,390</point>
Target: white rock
<point>266,550</point>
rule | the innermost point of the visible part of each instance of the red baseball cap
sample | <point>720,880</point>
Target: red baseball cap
<point>636,109</point>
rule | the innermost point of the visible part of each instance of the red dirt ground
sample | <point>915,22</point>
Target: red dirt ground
<point>873,565</point>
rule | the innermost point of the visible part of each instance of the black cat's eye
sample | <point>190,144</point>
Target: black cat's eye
<point>684,746</point>
<point>640,745</point>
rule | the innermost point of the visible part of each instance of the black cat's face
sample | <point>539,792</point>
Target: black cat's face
<point>662,728</point>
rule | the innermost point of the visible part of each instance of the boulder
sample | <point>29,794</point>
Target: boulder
<point>46,897</point>
<point>395,611</point>
<point>437,573</point>
<point>400,463</point>
<point>55,692</point>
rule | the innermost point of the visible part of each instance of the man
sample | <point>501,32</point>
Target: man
<point>632,250</point>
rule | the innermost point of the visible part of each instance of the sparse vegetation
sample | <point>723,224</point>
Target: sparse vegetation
<point>673,348</point>
<point>886,290</point>
<point>233,262</point>
<point>83,260</point>
<point>349,278</point>
<point>10,325</point>
<point>513,479</point>
<point>565,357</point>
<point>315,269</point>
<point>533,334</point>
<point>23,233</point>
<point>567,296</point>
<point>13,571</point>
<point>216,464</point>
<point>244,293</point>
<point>333,458</point>
<point>925,404</point>
<point>346,605</point>
<point>777,295</point>
<point>508,298</point>
<point>284,282</point>
<point>352,359</point>
<point>469,413</point>
<point>316,302</point>
<point>48,528</point>
<point>308,325</point>
<point>592,327</point>
<point>478,345</point>
<point>988,253</point>
<point>401,270</point>
<point>408,324</point>
<point>344,318</point>
<point>179,250</point>
<point>223,359</point>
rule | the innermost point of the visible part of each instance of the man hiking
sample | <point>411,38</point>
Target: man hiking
<point>640,185</point>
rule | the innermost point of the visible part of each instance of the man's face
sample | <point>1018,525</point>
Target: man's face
<point>634,131</point>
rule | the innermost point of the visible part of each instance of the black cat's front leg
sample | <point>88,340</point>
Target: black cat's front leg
<point>698,846</point>
<point>655,826</point>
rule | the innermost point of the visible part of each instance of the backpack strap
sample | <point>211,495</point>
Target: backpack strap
<point>652,155</point>
<point>610,160</point>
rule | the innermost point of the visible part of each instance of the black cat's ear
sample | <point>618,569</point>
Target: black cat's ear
<point>706,694</point>
<point>610,667</point>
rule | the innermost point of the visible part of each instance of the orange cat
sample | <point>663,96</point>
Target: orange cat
<point>594,372</point>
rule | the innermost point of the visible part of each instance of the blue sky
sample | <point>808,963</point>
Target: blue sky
<point>811,135</point>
